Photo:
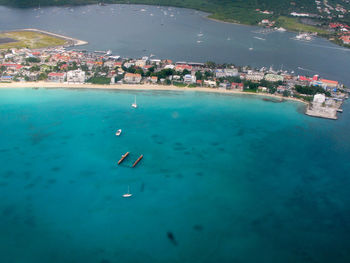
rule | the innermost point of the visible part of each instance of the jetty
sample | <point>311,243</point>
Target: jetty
<point>137,161</point>
<point>123,158</point>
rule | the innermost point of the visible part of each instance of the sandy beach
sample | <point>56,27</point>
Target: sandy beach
<point>42,84</point>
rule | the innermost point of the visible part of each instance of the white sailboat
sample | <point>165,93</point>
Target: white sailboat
<point>134,105</point>
<point>127,194</point>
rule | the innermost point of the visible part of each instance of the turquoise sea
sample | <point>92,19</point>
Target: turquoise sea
<point>231,178</point>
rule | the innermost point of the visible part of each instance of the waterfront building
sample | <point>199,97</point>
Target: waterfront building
<point>76,76</point>
<point>329,83</point>
<point>182,67</point>
<point>210,83</point>
<point>56,77</point>
<point>273,77</point>
<point>190,79</point>
<point>140,63</point>
<point>132,78</point>
<point>227,72</point>
<point>237,86</point>
<point>231,72</point>
<point>256,76</point>
<point>319,98</point>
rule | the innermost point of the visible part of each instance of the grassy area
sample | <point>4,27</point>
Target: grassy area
<point>179,84</point>
<point>32,40</point>
<point>292,24</point>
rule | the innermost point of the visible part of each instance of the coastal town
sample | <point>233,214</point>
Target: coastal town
<point>327,19</point>
<point>79,67</point>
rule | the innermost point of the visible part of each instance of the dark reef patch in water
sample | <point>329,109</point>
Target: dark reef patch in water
<point>198,228</point>
<point>199,173</point>
<point>3,184</point>
<point>29,186</point>
<point>87,173</point>
<point>179,175</point>
<point>8,210</point>
<point>51,181</point>
<point>8,174</point>
<point>55,169</point>
<point>30,221</point>
<point>157,139</point>
<point>172,239</point>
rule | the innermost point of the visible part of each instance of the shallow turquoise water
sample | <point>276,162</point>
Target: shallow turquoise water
<point>233,178</point>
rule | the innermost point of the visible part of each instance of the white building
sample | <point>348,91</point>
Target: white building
<point>190,79</point>
<point>56,77</point>
<point>319,98</point>
<point>140,63</point>
<point>256,76</point>
<point>210,83</point>
<point>273,77</point>
<point>76,76</point>
<point>132,78</point>
<point>231,72</point>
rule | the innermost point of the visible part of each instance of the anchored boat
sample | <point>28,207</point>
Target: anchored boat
<point>118,132</point>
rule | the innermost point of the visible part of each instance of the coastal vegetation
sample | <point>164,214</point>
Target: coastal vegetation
<point>240,11</point>
<point>292,24</point>
<point>99,80</point>
<point>311,90</point>
<point>30,39</point>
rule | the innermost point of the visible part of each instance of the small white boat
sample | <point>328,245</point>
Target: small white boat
<point>260,38</point>
<point>251,48</point>
<point>118,132</point>
<point>127,194</point>
<point>134,105</point>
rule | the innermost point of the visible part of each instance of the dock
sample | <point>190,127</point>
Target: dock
<point>123,158</point>
<point>138,160</point>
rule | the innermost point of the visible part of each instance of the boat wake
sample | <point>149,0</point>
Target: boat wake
<point>260,38</point>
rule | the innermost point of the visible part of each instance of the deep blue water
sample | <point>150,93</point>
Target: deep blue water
<point>233,178</point>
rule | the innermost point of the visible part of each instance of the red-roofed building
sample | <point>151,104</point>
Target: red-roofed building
<point>56,77</point>
<point>64,66</point>
<point>303,78</point>
<point>238,86</point>
<point>329,83</point>
<point>154,79</point>
<point>346,39</point>
<point>147,67</point>
<point>132,78</point>
<point>183,67</point>
<point>12,66</point>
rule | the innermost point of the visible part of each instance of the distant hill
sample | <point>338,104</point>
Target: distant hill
<point>242,11</point>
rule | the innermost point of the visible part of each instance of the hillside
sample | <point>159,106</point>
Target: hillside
<point>240,11</point>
